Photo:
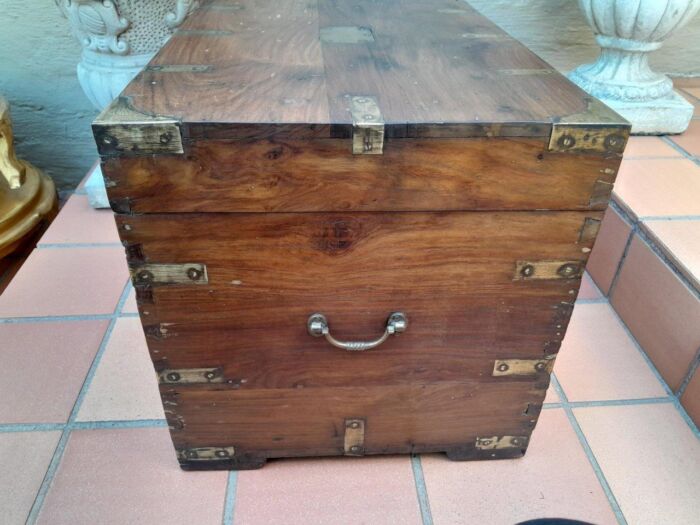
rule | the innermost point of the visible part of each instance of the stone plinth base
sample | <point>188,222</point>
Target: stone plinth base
<point>668,115</point>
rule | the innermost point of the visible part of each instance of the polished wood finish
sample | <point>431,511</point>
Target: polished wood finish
<point>244,209</point>
<point>321,175</point>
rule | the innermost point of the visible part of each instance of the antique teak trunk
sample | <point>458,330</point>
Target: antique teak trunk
<point>354,227</point>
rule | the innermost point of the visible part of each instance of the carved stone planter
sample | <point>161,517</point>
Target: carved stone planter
<point>119,37</point>
<point>627,31</point>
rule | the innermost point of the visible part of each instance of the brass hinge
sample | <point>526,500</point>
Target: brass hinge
<point>160,274</point>
<point>582,138</point>
<point>205,453</point>
<point>190,375</point>
<point>528,270</point>
<point>122,130</point>
<point>367,126</point>
<point>522,367</point>
<point>498,442</point>
<point>354,437</point>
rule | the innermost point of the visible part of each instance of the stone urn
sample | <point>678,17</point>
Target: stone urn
<point>627,31</point>
<point>118,37</point>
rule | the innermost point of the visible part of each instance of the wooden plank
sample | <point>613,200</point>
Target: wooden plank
<point>324,175</point>
<point>311,422</point>
<point>450,273</point>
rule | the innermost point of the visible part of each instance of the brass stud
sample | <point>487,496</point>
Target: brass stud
<point>194,274</point>
<point>527,271</point>
<point>567,141</point>
<point>145,276</point>
<point>568,270</point>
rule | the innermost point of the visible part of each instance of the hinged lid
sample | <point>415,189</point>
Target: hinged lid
<point>293,68</point>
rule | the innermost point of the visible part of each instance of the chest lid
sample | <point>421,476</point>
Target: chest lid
<point>366,70</point>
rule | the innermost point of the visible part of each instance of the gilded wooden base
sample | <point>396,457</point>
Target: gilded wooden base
<point>22,210</point>
<point>27,196</point>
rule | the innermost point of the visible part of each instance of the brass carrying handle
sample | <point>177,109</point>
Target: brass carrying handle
<point>317,326</point>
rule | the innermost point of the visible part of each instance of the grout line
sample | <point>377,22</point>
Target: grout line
<point>30,427</point>
<point>230,499</point>
<point>63,441</point>
<point>678,148</point>
<point>685,417</point>
<point>132,423</point>
<point>589,453</point>
<point>61,245</point>
<point>421,490</point>
<point>600,300</point>
<point>689,374</point>
<point>82,425</point>
<point>620,402</point>
<point>653,218</point>
<point>56,318</point>
<point>621,262</point>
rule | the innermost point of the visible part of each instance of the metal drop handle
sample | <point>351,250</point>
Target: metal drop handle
<point>317,326</point>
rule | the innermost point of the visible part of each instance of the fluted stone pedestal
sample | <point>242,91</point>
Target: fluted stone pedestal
<point>621,77</point>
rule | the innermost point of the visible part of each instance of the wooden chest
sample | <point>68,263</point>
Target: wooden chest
<point>354,227</point>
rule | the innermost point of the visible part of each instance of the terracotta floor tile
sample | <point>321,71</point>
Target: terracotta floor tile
<point>645,147</point>
<point>66,281</point>
<point>373,490</point>
<point>689,95</point>
<point>659,187</point>
<point>589,290</point>
<point>124,386</point>
<point>79,223</point>
<point>121,476</point>
<point>660,310</point>
<point>690,140</point>
<point>554,479</point>
<point>598,359</point>
<point>680,242</point>
<point>24,458</point>
<point>650,458</point>
<point>691,398</point>
<point>608,249</point>
<point>130,306</point>
<point>43,368</point>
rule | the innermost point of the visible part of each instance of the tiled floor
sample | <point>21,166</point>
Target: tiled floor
<point>83,439</point>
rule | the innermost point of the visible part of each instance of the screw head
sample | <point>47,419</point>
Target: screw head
<point>527,271</point>
<point>165,138</point>
<point>221,453</point>
<point>355,448</point>
<point>515,442</point>
<point>568,270</point>
<point>540,365</point>
<point>145,276</point>
<point>485,442</point>
<point>194,274</point>
<point>354,424</point>
<point>173,376</point>
<point>567,141</point>
<point>191,453</point>
<point>210,375</point>
<point>109,140</point>
<point>502,367</point>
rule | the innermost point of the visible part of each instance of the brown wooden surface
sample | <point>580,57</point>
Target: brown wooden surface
<point>437,63</point>
<point>310,422</point>
<point>452,274</point>
<point>413,174</point>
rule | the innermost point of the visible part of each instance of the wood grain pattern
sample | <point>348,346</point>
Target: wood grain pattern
<point>324,175</point>
<point>438,64</point>
<point>399,419</point>
<point>452,274</point>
